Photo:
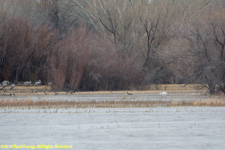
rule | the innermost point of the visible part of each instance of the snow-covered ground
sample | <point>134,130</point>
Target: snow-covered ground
<point>175,128</point>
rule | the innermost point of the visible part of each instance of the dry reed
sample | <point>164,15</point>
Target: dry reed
<point>108,104</point>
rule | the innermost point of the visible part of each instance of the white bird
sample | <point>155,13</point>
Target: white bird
<point>163,93</point>
<point>5,81</point>
<point>27,83</point>
<point>37,83</point>
<point>12,86</point>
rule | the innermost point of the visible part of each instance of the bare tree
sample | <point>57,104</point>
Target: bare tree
<point>207,44</point>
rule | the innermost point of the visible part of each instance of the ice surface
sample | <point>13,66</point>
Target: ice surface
<point>117,129</point>
<point>112,97</point>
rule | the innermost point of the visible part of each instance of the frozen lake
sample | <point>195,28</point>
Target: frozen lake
<point>191,128</point>
<point>113,97</point>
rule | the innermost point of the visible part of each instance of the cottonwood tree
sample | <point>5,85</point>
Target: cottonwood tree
<point>206,39</point>
<point>117,20</point>
<point>157,33</point>
<point>173,53</point>
<point>156,25</point>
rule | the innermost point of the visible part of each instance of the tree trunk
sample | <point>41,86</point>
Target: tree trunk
<point>212,88</point>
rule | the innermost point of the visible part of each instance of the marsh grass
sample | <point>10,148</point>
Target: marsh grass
<point>151,89</point>
<point>32,92</point>
<point>29,103</point>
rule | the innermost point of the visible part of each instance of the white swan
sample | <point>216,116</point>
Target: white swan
<point>163,93</point>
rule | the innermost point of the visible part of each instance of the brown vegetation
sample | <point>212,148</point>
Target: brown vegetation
<point>29,103</point>
<point>148,89</point>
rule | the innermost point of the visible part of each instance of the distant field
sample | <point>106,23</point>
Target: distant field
<point>151,89</point>
<point>44,97</point>
<point>176,87</point>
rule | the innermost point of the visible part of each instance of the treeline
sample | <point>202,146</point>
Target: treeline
<point>113,45</point>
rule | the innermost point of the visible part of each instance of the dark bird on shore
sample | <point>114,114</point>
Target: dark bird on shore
<point>12,94</point>
<point>129,93</point>
<point>4,85</point>
<point>71,92</point>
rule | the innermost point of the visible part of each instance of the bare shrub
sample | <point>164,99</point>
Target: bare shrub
<point>91,62</point>
<point>25,48</point>
<point>15,46</point>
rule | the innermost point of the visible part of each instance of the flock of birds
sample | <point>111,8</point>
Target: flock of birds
<point>27,83</point>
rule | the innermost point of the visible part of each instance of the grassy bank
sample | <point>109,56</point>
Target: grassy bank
<point>29,103</point>
<point>150,89</point>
